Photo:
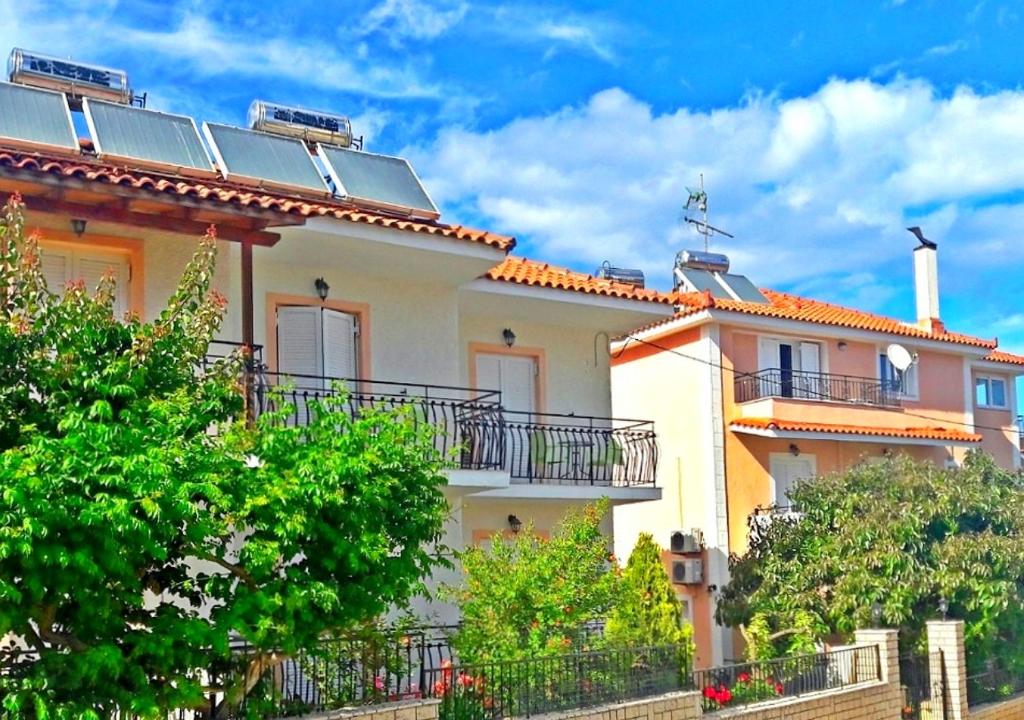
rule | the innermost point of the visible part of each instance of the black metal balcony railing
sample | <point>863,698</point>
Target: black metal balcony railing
<point>469,421</point>
<point>826,387</point>
<point>474,428</point>
<point>580,450</point>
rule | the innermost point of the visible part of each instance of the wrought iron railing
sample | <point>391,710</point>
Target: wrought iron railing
<point>924,692</point>
<point>470,426</point>
<point>731,686</point>
<point>540,685</point>
<point>580,450</point>
<point>997,681</point>
<point>826,387</point>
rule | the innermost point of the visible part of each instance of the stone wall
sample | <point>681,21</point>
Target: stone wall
<point>1012,709</point>
<point>402,710</point>
<point>674,706</point>
<point>870,701</point>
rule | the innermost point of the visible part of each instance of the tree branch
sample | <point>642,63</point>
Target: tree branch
<point>237,570</point>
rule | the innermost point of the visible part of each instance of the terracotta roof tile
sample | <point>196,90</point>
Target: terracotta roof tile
<point>226,193</point>
<point>540,274</point>
<point>785,306</point>
<point>1000,356</point>
<point>909,433</point>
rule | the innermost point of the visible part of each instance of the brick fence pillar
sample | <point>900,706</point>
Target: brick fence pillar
<point>947,636</point>
<point>888,651</point>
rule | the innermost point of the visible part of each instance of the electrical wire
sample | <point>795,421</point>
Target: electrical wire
<point>818,395</point>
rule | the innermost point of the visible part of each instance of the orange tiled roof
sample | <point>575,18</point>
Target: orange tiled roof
<point>909,433</point>
<point>216,191</point>
<point>1000,356</point>
<point>540,274</point>
<point>793,307</point>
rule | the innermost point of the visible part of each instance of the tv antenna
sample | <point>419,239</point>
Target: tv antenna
<point>698,200</point>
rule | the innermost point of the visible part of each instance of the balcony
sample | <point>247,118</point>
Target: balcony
<point>476,432</point>
<point>819,386</point>
<point>580,450</point>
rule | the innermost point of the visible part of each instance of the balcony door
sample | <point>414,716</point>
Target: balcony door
<point>514,375</point>
<point>62,264</point>
<point>789,368</point>
<point>786,471</point>
<point>315,344</point>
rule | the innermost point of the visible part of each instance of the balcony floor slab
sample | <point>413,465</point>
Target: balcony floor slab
<point>579,493</point>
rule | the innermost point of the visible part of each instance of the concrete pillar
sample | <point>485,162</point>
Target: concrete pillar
<point>947,636</point>
<point>888,651</point>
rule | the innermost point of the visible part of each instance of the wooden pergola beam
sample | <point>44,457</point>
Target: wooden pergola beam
<point>114,213</point>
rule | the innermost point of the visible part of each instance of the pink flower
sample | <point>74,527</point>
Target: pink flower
<point>743,677</point>
<point>778,688</point>
<point>378,683</point>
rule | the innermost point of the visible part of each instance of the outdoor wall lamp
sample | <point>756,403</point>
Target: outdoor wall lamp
<point>794,449</point>
<point>943,607</point>
<point>876,614</point>
<point>78,226</point>
<point>509,337</point>
<point>841,345</point>
<point>515,524</point>
<point>322,288</point>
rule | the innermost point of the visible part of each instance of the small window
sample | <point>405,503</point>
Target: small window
<point>990,392</point>
<point>902,381</point>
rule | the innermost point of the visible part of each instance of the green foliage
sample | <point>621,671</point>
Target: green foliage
<point>527,596</point>
<point>144,523</point>
<point>900,534</point>
<point>647,612</point>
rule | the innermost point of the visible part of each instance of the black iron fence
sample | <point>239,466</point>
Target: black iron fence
<point>745,683</point>
<point>580,450</point>
<point>469,422</point>
<point>997,681</point>
<point>534,686</point>
<point>924,692</point>
<point>827,387</point>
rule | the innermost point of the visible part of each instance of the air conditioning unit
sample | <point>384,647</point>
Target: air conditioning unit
<point>688,572</point>
<point>686,543</point>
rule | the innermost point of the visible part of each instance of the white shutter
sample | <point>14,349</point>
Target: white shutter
<point>90,267</point>
<point>767,354</point>
<point>488,372</point>
<point>339,344</point>
<point>808,381</point>
<point>56,267</point>
<point>299,341</point>
<point>518,383</point>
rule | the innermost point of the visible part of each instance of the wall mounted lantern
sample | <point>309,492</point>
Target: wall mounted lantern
<point>78,226</point>
<point>515,524</point>
<point>322,288</point>
<point>794,449</point>
<point>509,337</point>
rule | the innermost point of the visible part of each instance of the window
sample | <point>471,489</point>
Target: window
<point>990,392</point>
<point>790,368</point>
<point>905,381</point>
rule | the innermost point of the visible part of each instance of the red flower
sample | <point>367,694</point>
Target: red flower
<point>723,696</point>
<point>439,688</point>
<point>710,692</point>
<point>743,677</point>
<point>464,680</point>
<point>778,688</point>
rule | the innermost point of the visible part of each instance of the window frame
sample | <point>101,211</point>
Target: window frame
<point>988,380</point>
<point>910,384</point>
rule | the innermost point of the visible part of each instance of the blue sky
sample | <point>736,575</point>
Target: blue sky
<point>823,129</point>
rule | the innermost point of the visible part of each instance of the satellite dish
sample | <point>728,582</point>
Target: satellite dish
<point>899,356</point>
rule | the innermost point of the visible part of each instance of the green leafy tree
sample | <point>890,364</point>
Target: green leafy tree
<point>647,612</point>
<point>528,596</point>
<point>900,534</point>
<point>145,525</point>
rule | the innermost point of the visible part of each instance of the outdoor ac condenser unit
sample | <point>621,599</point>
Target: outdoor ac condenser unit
<point>688,572</point>
<point>685,543</point>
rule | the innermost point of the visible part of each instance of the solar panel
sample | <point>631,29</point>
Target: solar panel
<point>146,136</point>
<point>39,118</point>
<point>252,157</point>
<point>702,281</point>
<point>742,288</point>
<point>378,181</point>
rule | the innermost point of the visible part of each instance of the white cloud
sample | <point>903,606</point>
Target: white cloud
<point>817,189</point>
<point>211,49</point>
<point>411,19</point>
<point>553,28</point>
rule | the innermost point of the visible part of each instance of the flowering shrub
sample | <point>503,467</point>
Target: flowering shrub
<point>745,690</point>
<point>462,696</point>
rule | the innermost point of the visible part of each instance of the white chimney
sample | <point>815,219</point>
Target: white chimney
<point>926,286</point>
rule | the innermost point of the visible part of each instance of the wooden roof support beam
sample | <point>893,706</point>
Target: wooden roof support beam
<point>101,213</point>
